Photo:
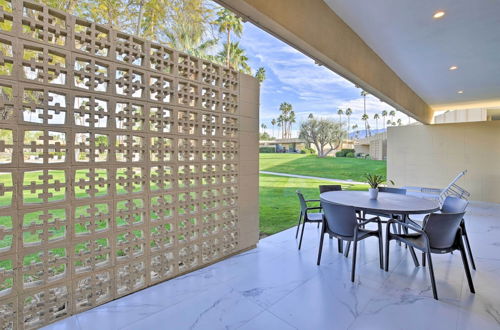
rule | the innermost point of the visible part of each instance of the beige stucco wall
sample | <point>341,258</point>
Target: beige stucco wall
<point>432,155</point>
<point>248,198</point>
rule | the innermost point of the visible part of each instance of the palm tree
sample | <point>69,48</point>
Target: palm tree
<point>376,117</point>
<point>311,116</point>
<point>281,123</point>
<point>263,126</point>
<point>354,127</point>
<point>228,22</point>
<point>260,74</point>
<point>399,121</point>
<point>273,123</point>
<point>348,113</point>
<point>363,93</point>
<point>388,122</point>
<point>384,114</point>
<point>340,112</point>
<point>364,118</point>
<point>285,109</point>
<point>392,113</point>
<point>291,120</point>
<point>237,58</point>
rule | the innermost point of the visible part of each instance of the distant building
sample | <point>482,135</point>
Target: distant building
<point>374,146</point>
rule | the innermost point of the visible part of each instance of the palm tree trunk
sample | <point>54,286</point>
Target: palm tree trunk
<point>228,48</point>
<point>139,19</point>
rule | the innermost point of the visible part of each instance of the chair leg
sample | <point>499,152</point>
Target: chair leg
<point>354,248</point>
<point>340,244</point>
<point>347,247</point>
<point>380,250</point>
<point>466,267</point>
<point>431,272</point>
<point>302,233</point>
<point>318,225</point>
<point>423,259</point>
<point>467,245</point>
<point>320,251</point>
<point>387,241</point>
<point>298,225</point>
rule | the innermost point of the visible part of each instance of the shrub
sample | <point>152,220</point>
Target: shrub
<point>267,150</point>
<point>350,155</point>
<point>344,152</point>
<point>310,151</point>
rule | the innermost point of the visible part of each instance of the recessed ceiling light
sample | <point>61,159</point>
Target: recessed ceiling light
<point>453,67</point>
<point>460,92</point>
<point>438,14</point>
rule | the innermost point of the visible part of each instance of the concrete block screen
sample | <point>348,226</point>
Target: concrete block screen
<point>119,164</point>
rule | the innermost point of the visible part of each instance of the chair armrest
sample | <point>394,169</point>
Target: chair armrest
<point>366,221</point>
<point>406,225</point>
<point>313,200</point>
<point>314,208</point>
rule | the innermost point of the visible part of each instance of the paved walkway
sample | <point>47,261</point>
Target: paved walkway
<point>312,177</point>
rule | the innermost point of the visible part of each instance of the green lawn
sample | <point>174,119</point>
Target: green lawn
<point>279,205</point>
<point>329,167</point>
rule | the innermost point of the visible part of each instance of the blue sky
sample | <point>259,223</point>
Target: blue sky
<point>294,78</point>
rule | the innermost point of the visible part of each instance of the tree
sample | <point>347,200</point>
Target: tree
<point>291,120</point>
<point>376,117</point>
<point>363,93</point>
<point>388,122</point>
<point>348,113</point>
<point>114,13</point>
<point>281,124</point>
<point>326,135</point>
<point>228,22</point>
<point>340,112</point>
<point>364,118</point>
<point>263,126</point>
<point>392,113</point>
<point>186,27</point>
<point>264,137</point>
<point>273,123</point>
<point>310,116</point>
<point>384,114</point>
<point>66,5</point>
<point>260,74</point>
<point>237,58</point>
<point>399,121</point>
<point>286,109</point>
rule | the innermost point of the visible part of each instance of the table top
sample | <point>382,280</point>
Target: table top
<point>386,202</point>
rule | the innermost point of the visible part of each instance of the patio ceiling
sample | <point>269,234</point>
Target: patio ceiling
<point>421,49</point>
<point>395,50</point>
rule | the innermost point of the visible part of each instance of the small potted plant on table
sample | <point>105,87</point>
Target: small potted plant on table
<point>375,181</point>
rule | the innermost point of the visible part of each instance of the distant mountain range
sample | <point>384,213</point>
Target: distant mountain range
<point>361,132</point>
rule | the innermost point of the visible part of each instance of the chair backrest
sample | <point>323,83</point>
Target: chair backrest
<point>340,219</point>
<point>441,228</point>
<point>454,204</point>
<point>392,190</point>
<point>329,187</point>
<point>303,205</point>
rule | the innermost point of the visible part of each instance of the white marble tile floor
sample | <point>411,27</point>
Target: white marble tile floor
<point>275,286</point>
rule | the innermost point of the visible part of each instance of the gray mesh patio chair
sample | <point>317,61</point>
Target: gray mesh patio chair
<point>306,216</point>
<point>440,234</point>
<point>454,204</point>
<point>333,187</point>
<point>391,190</point>
<point>329,187</point>
<point>341,222</point>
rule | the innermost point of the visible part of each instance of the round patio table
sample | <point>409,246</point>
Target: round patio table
<point>386,203</point>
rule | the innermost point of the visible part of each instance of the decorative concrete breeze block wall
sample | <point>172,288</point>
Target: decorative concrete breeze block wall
<point>123,163</point>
